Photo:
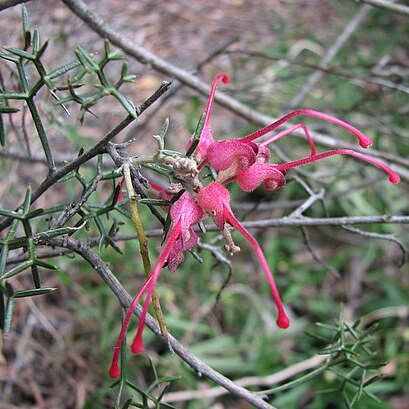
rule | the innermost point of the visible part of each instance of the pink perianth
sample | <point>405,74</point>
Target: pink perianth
<point>364,140</point>
<point>289,131</point>
<point>393,177</point>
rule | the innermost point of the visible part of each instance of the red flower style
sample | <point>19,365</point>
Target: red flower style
<point>184,213</point>
<point>206,136</point>
<point>214,199</point>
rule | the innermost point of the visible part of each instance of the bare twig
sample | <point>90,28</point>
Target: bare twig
<point>330,70</point>
<point>358,19</point>
<point>5,4</point>
<point>307,204</point>
<point>388,5</point>
<point>69,211</point>
<point>281,376</point>
<point>325,221</point>
<point>125,299</point>
<point>315,255</point>
<point>260,224</point>
<point>389,237</point>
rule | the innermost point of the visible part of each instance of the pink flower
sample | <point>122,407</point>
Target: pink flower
<point>215,200</point>
<point>221,155</point>
<point>185,213</point>
<point>206,137</point>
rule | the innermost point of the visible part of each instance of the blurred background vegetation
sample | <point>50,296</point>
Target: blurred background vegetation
<point>57,352</point>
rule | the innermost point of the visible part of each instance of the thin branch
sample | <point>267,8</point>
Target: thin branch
<point>5,4</point>
<point>260,224</point>
<point>315,255</point>
<point>388,5</point>
<point>325,221</point>
<point>15,154</point>
<point>146,57</point>
<point>389,237</point>
<point>330,70</point>
<point>281,376</point>
<point>349,30</point>
<point>307,204</point>
<point>125,299</point>
<point>69,211</point>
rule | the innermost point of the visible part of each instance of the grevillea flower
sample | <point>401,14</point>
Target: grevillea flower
<point>215,200</point>
<point>244,161</point>
<point>206,137</point>
<point>184,213</point>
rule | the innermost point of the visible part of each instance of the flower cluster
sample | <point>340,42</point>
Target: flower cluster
<point>238,160</point>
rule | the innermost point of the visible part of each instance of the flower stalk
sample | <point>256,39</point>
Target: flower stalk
<point>143,246</point>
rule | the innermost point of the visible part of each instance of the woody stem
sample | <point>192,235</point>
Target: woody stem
<point>143,246</point>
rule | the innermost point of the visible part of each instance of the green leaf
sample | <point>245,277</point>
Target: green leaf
<point>36,42</point>
<point>33,292</point>
<point>43,264</point>
<point>14,95</point>
<point>125,102</point>
<point>8,316</point>
<point>25,18</point>
<point>86,59</point>
<point>17,270</point>
<point>8,110</point>
<point>8,57</point>
<point>2,309</point>
<point>109,54</point>
<point>196,136</point>
<point>41,51</point>
<point>124,69</point>
<point>64,69</point>
<point>129,78</point>
<point>11,213</point>
<point>155,202</point>
<point>56,232</point>
<point>27,200</point>
<point>20,53</point>
<point>3,258</point>
<point>34,213</point>
<point>2,132</point>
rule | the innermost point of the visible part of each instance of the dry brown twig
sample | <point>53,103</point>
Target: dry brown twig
<point>388,5</point>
